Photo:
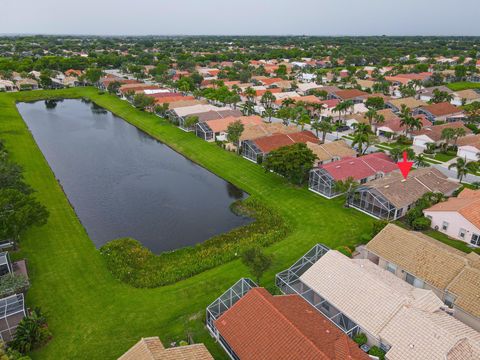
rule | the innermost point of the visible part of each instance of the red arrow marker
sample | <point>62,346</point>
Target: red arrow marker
<point>405,166</point>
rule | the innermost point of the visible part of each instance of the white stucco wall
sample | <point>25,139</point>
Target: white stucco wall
<point>455,222</point>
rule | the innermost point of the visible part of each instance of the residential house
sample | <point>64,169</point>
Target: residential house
<point>427,94</point>
<point>406,322</point>
<point>365,84</point>
<point>256,150</point>
<point>73,72</point>
<point>27,84</point>
<point>355,95</point>
<point>469,147</point>
<point>394,125</point>
<point>440,112</point>
<point>458,217</point>
<point>464,97</point>
<point>185,103</point>
<point>433,134</point>
<point>410,102</point>
<point>211,112</point>
<point>6,85</point>
<point>426,263</point>
<point>324,178</point>
<point>151,348</point>
<point>392,196</point>
<point>251,324</point>
<point>217,129</point>
<point>305,88</point>
<point>256,131</point>
<point>307,78</point>
<point>330,152</point>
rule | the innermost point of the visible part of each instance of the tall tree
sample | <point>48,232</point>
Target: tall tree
<point>463,167</point>
<point>234,132</point>
<point>257,261</point>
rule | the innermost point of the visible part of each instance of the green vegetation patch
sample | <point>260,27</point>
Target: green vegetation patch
<point>464,85</point>
<point>136,265</point>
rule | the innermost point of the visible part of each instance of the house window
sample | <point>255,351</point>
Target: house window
<point>445,226</point>
<point>412,280</point>
<point>449,300</point>
<point>392,268</point>
<point>363,181</point>
<point>475,239</point>
<point>462,233</point>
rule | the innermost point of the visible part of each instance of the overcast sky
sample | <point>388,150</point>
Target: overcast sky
<point>241,17</point>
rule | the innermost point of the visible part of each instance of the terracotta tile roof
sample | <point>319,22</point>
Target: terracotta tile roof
<point>361,167</point>
<point>152,349</point>
<point>395,123</point>
<point>71,72</point>
<point>262,326</point>
<point>442,109</point>
<point>220,125</point>
<point>260,92</point>
<point>136,86</point>
<point>434,132</point>
<point>273,142</point>
<point>252,132</point>
<point>467,205</point>
<point>269,81</point>
<point>350,94</point>
<point>402,192</point>
<point>333,150</point>
<point>414,76</point>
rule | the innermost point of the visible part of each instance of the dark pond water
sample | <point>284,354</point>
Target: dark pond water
<point>124,183</point>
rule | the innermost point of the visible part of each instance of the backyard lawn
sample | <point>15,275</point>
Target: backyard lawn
<point>94,316</point>
<point>464,85</point>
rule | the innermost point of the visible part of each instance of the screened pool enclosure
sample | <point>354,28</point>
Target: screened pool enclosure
<point>322,183</point>
<point>289,282</point>
<point>12,311</point>
<point>222,304</point>
<point>370,201</point>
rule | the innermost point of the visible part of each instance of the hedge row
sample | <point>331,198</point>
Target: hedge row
<point>136,265</point>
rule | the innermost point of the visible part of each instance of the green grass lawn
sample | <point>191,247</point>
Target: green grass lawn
<point>94,316</point>
<point>458,86</point>
<point>457,244</point>
<point>444,157</point>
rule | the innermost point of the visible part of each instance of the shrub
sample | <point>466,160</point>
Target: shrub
<point>136,265</point>
<point>32,332</point>
<point>421,223</point>
<point>345,250</point>
<point>11,284</point>
<point>403,140</point>
<point>378,226</point>
<point>257,261</point>
<point>360,339</point>
<point>376,351</point>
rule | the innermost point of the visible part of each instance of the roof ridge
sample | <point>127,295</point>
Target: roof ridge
<point>296,329</point>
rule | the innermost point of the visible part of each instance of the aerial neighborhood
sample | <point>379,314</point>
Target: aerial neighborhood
<point>275,219</point>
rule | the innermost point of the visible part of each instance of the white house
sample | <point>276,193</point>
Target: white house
<point>458,217</point>
<point>469,147</point>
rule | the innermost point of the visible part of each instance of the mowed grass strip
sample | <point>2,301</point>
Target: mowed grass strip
<point>94,316</point>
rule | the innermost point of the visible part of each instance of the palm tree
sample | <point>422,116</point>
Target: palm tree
<point>287,102</point>
<point>342,107</point>
<point>459,132</point>
<point>269,113</point>
<point>348,187</point>
<point>463,167</point>
<point>361,136</point>
<point>250,94</point>
<point>324,126</point>
<point>420,161</point>
<point>408,121</point>
<point>447,135</point>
